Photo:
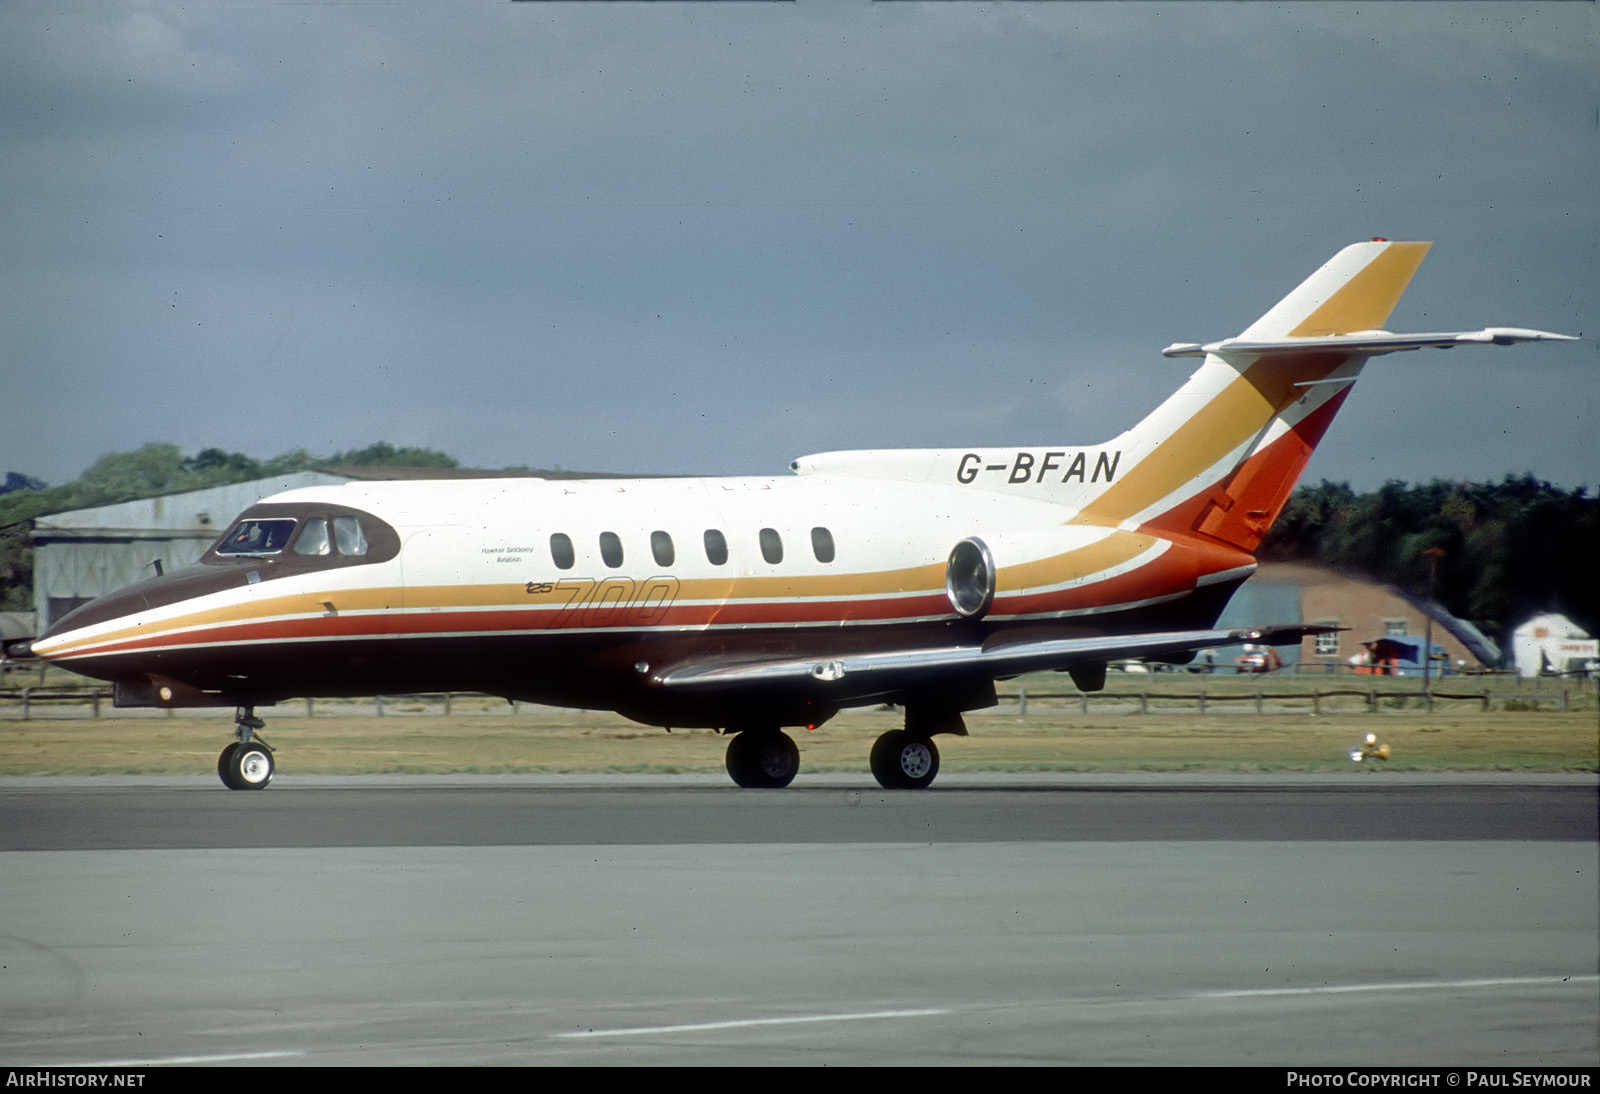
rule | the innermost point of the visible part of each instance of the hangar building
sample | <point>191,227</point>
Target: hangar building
<point>83,553</point>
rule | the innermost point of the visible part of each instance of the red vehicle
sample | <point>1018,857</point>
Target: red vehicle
<point>1258,659</point>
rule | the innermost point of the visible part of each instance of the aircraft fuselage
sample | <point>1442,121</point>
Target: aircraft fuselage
<point>588,593</point>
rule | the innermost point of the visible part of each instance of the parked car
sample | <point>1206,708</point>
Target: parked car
<point>1258,659</point>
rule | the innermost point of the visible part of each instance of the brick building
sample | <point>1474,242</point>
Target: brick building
<point>1300,593</point>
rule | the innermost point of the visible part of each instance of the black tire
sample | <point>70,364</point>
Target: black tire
<point>763,760</point>
<point>249,766</point>
<point>904,761</point>
<point>225,767</point>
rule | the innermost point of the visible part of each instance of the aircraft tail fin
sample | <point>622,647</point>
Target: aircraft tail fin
<point>1219,458</point>
<point>1355,290</point>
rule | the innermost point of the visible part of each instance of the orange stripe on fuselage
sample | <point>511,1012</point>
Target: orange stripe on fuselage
<point>1172,576</point>
<point>489,622</point>
<point>351,601</point>
<point>1172,573</point>
<point>1116,549</point>
<point>712,589</point>
<point>372,612</point>
<point>887,596</point>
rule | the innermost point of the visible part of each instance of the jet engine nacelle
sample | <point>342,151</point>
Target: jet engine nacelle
<point>985,568</point>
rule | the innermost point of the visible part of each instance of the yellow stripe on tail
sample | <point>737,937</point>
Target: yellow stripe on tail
<point>1241,407</point>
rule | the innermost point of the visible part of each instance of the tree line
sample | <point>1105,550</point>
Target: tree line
<point>1509,549</point>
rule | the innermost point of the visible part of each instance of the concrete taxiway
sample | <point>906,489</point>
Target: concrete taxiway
<point>676,920</point>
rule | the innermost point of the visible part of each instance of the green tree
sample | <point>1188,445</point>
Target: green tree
<point>384,454</point>
<point>117,476</point>
<point>1511,549</point>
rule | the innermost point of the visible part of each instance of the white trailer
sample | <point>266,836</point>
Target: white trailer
<point>1554,644</point>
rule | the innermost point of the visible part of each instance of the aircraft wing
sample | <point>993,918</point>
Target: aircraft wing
<point>1372,342</point>
<point>869,672</point>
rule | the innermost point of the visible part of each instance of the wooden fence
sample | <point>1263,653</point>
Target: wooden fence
<point>1373,697</point>
<point>25,700</point>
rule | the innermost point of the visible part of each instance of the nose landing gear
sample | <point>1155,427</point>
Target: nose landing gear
<point>247,763</point>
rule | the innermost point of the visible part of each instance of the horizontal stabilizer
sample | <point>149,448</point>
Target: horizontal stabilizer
<point>1370,343</point>
<point>868,672</point>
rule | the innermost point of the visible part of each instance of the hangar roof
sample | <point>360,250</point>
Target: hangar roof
<point>197,514</point>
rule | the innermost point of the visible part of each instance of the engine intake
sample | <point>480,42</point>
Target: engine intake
<point>969,578</point>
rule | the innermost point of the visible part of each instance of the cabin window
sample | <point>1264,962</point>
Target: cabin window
<point>661,548</point>
<point>610,549</point>
<point>771,545</point>
<point>257,537</point>
<point>822,544</point>
<point>716,547</point>
<point>561,552</point>
<point>313,538</point>
<point>348,535</point>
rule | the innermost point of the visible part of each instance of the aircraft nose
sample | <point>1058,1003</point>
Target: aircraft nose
<point>101,609</point>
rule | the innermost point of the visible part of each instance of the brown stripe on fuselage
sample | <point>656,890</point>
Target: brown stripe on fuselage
<point>489,622</point>
<point>1171,574</point>
<point>745,602</point>
<point>344,600</point>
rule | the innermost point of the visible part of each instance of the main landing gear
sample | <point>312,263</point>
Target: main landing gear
<point>907,759</point>
<point>904,761</point>
<point>247,763</point>
<point>760,759</point>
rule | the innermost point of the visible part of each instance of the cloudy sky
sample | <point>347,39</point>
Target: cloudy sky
<point>710,237</point>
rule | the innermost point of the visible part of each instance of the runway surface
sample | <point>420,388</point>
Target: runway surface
<point>676,920</point>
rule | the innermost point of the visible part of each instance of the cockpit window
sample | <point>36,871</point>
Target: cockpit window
<point>256,537</point>
<point>282,538</point>
<point>347,533</point>
<point>313,538</point>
